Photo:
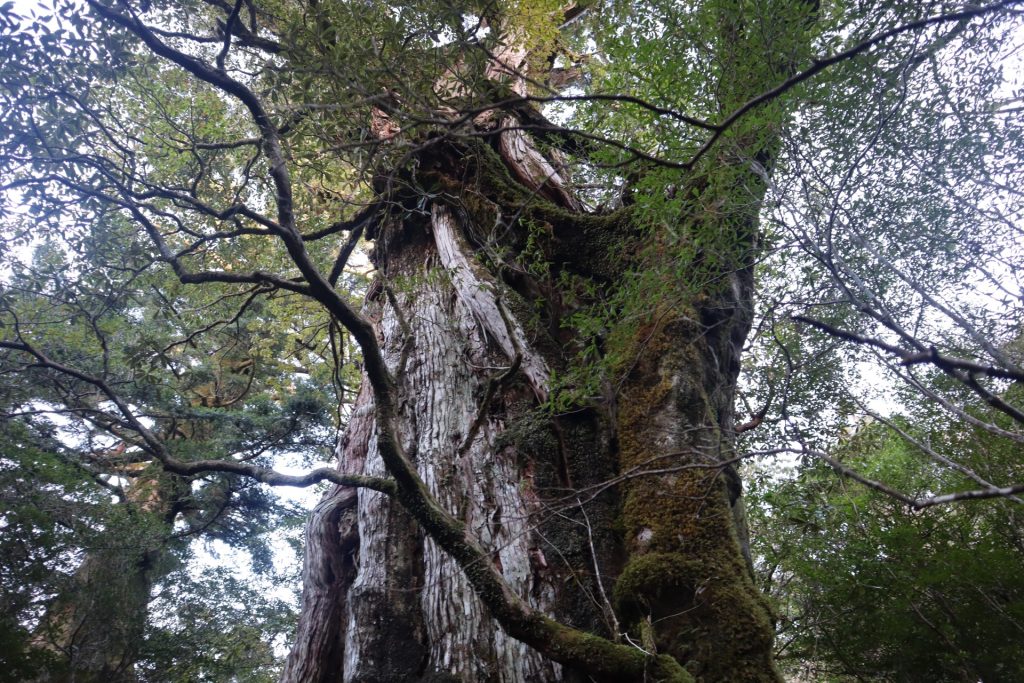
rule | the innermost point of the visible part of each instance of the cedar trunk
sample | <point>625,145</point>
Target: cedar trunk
<point>95,628</point>
<point>656,561</point>
<point>620,516</point>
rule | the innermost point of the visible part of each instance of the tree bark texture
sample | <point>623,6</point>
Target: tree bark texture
<point>655,561</point>
<point>620,517</point>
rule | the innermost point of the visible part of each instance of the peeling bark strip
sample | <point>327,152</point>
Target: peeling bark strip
<point>480,485</point>
<point>430,609</point>
<point>533,169</point>
<point>478,290</point>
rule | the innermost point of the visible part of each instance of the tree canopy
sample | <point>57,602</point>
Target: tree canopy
<point>234,230</point>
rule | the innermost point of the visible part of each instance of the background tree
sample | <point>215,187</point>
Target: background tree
<point>868,592</point>
<point>536,479</point>
<point>107,524</point>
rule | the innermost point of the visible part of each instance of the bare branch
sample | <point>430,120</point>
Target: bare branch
<point>1008,492</point>
<point>931,356</point>
<point>229,26</point>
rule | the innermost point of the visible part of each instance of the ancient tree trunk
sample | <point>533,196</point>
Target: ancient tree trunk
<point>96,629</point>
<point>620,517</point>
<point>655,561</point>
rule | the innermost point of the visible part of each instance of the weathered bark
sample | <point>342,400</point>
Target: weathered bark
<point>328,568</point>
<point>661,566</point>
<point>622,518</point>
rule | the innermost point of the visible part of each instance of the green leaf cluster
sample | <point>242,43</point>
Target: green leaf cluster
<point>867,589</point>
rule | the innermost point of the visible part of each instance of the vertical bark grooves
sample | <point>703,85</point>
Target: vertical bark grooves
<point>329,563</point>
<point>506,472</point>
<point>659,561</point>
<point>412,614</point>
<point>480,484</point>
<point>479,293</point>
<point>533,169</point>
<point>439,332</point>
<point>317,653</point>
